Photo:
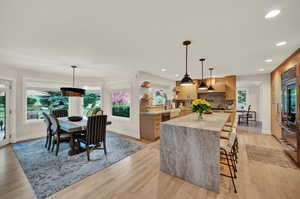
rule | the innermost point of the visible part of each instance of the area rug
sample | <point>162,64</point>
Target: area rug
<point>48,173</point>
<point>269,156</point>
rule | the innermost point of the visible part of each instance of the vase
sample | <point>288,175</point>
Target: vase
<point>200,116</point>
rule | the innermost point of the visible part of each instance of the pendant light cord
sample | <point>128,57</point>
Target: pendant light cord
<point>73,77</point>
<point>186,57</point>
<point>202,69</point>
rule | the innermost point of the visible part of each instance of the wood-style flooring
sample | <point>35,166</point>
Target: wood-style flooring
<point>139,177</point>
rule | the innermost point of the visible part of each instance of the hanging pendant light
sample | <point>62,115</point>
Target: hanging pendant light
<point>202,85</point>
<point>186,80</point>
<point>210,88</point>
<point>72,91</point>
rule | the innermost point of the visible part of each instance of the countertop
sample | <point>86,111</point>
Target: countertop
<point>161,112</point>
<point>210,122</point>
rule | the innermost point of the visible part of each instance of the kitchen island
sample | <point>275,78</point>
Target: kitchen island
<point>190,149</point>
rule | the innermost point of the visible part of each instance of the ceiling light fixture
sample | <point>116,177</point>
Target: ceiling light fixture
<point>272,14</point>
<point>186,80</point>
<point>202,85</point>
<point>176,75</point>
<point>282,43</point>
<point>261,69</point>
<point>210,88</point>
<point>72,91</point>
<point>268,60</point>
<point>163,70</point>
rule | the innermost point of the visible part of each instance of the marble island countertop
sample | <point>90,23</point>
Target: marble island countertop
<point>160,112</point>
<point>210,122</point>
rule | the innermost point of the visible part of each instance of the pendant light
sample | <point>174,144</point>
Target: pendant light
<point>210,88</point>
<point>202,85</point>
<point>186,80</point>
<point>72,91</point>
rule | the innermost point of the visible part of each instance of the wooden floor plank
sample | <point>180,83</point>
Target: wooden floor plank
<point>139,177</point>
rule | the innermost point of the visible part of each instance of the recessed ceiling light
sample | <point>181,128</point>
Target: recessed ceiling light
<point>177,75</point>
<point>272,14</point>
<point>282,43</point>
<point>261,69</point>
<point>268,60</point>
<point>163,70</point>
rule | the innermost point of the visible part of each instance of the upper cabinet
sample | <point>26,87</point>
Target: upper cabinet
<point>186,92</point>
<point>217,83</point>
<point>225,85</point>
<point>230,86</point>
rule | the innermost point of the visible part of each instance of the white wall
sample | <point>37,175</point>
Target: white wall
<point>130,126</point>
<point>125,126</point>
<point>24,130</point>
<point>21,128</point>
<point>259,96</point>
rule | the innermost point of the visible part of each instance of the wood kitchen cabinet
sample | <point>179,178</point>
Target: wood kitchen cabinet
<point>217,83</point>
<point>276,103</point>
<point>230,86</point>
<point>186,92</point>
<point>150,126</point>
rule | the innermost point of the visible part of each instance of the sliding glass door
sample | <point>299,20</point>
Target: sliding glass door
<point>4,112</point>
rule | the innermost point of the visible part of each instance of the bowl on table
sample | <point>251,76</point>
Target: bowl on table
<point>75,118</point>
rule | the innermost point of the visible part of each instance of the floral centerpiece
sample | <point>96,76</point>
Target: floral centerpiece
<point>201,106</point>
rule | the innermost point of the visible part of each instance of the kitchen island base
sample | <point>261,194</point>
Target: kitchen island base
<point>189,149</point>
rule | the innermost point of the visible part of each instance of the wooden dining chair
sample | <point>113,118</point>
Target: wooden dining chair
<point>60,113</point>
<point>48,130</point>
<point>90,113</point>
<point>100,112</point>
<point>95,134</point>
<point>246,115</point>
<point>58,134</point>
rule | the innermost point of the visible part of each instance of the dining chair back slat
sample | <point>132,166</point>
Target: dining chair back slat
<point>96,129</point>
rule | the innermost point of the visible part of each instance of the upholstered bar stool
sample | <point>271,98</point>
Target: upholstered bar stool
<point>228,152</point>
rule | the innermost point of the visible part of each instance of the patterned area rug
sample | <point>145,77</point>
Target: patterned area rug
<point>269,156</point>
<point>48,173</point>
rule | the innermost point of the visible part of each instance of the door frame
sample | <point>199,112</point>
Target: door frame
<point>9,123</point>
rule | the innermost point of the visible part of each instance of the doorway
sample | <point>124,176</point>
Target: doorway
<point>5,89</point>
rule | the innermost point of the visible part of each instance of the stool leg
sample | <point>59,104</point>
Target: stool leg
<point>231,176</point>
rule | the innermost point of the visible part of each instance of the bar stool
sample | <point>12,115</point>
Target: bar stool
<point>227,149</point>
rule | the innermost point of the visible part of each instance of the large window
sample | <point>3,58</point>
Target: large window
<point>44,101</point>
<point>242,99</point>
<point>121,103</point>
<point>91,101</point>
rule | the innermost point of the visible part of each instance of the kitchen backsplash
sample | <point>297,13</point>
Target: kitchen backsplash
<point>217,100</point>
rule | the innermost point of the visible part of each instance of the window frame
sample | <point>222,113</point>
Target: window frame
<point>247,96</point>
<point>101,98</point>
<point>25,89</point>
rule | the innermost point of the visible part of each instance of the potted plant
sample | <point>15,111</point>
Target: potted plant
<point>201,106</point>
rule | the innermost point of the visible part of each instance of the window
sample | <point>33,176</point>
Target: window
<point>44,101</point>
<point>121,103</point>
<point>91,101</point>
<point>159,96</point>
<point>242,99</point>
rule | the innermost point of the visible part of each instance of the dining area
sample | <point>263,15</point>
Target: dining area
<point>82,133</point>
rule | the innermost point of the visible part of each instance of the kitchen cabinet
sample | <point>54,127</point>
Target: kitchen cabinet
<point>276,103</point>
<point>217,83</point>
<point>186,92</point>
<point>230,86</point>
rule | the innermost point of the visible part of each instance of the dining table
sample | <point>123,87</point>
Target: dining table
<point>74,128</point>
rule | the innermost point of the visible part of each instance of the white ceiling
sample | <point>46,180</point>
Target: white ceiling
<point>113,37</point>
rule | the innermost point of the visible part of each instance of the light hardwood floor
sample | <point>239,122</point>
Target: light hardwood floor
<point>139,177</point>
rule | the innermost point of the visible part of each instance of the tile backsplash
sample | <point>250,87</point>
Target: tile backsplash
<point>217,100</point>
